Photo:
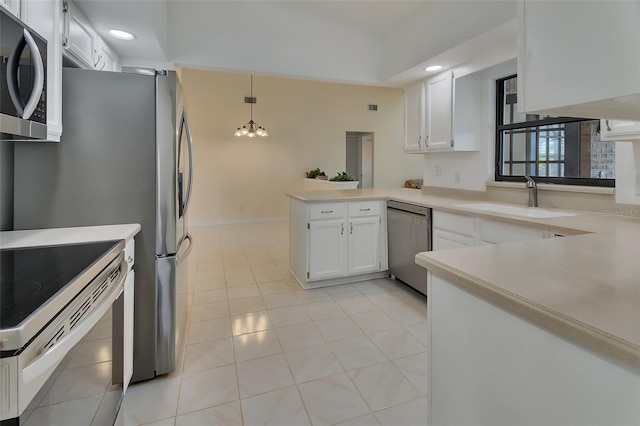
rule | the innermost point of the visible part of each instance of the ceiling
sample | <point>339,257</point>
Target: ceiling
<point>384,42</point>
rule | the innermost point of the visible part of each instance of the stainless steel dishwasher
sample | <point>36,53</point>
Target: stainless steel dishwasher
<point>409,233</point>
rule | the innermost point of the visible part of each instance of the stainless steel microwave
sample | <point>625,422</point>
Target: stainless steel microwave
<point>23,81</point>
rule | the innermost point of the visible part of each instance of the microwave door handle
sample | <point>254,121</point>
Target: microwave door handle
<point>25,111</point>
<point>36,93</point>
<point>12,75</point>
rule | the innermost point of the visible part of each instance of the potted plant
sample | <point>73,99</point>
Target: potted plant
<point>342,177</point>
<point>312,174</point>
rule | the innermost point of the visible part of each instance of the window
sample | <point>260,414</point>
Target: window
<point>561,150</point>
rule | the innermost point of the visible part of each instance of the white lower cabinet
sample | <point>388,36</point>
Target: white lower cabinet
<point>444,240</point>
<point>327,249</point>
<point>490,366</point>
<point>364,245</point>
<point>452,230</point>
<point>337,242</point>
<point>492,232</point>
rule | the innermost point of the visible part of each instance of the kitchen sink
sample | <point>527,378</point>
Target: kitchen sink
<point>533,212</point>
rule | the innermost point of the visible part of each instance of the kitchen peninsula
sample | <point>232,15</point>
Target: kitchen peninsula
<point>543,331</point>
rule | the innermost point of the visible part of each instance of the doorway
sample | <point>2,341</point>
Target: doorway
<point>359,150</point>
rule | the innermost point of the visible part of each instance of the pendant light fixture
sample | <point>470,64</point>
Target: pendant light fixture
<point>251,129</point>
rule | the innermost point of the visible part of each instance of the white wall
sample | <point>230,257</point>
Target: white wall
<point>270,37</point>
<point>245,179</point>
<point>439,27</point>
<point>475,168</point>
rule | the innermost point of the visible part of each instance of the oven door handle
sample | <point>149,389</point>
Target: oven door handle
<point>52,356</point>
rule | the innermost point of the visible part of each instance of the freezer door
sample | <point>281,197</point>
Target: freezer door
<point>172,310</point>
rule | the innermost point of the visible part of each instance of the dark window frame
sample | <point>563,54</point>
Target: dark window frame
<point>500,128</point>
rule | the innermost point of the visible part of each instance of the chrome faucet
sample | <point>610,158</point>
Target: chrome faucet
<point>533,191</point>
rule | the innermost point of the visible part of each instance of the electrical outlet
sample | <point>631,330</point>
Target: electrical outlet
<point>438,170</point>
<point>458,180</point>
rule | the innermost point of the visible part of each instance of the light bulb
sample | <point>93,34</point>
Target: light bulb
<point>238,132</point>
<point>251,135</point>
<point>244,130</point>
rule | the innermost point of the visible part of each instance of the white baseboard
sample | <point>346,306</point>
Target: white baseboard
<point>237,221</point>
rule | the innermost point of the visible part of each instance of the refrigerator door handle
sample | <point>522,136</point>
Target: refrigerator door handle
<point>190,142</point>
<point>184,196</point>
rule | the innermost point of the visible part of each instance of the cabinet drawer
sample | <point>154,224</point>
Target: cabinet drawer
<point>129,252</point>
<point>364,208</point>
<point>457,223</point>
<point>326,211</point>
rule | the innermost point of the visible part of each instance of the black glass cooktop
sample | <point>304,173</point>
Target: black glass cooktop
<point>29,277</point>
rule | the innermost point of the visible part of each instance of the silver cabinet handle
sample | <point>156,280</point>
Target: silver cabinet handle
<point>342,229</point>
<point>326,211</point>
<point>351,228</point>
<point>364,210</point>
<point>420,141</point>
<point>608,127</point>
<point>426,138</point>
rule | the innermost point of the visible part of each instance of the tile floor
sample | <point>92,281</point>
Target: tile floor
<point>261,350</point>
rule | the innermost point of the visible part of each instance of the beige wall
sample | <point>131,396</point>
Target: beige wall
<point>240,179</point>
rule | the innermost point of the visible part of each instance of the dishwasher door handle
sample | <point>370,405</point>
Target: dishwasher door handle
<point>412,214</point>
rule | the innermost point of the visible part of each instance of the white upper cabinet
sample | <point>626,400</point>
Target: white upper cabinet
<point>13,6</point>
<point>579,59</point>
<point>82,45</point>
<point>78,39</point>
<point>414,119</point>
<point>439,112</point>
<point>104,58</point>
<point>443,114</point>
<point>45,17</point>
<point>616,130</point>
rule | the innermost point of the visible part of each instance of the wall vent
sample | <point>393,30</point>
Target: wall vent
<point>373,107</point>
<point>250,100</point>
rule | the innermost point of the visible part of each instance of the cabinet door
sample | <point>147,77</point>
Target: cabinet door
<point>12,6</point>
<point>104,58</point>
<point>364,244</point>
<point>128,331</point>
<point>492,232</point>
<point>439,112</point>
<point>444,240</point>
<point>327,249</point>
<point>616,130</point>
<point>556,71</point>
<point>414,119</point>
<point>78,39</point>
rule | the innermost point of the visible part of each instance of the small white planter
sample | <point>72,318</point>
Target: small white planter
<point>317,184</point>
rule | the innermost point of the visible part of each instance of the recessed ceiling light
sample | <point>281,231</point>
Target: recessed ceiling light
<point>121,35</point>
<point>433,68</point>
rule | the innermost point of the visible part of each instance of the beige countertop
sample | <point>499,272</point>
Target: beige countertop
<point>586,287</point>
<point>54,236</point>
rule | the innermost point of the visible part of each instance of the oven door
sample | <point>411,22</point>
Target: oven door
<point>68,366</point>
<point>23,58</point>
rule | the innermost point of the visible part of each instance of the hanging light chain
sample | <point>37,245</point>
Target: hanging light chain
<point>251,129</point>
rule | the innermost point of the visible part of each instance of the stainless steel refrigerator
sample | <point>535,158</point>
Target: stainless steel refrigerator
<point>125,157</point>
